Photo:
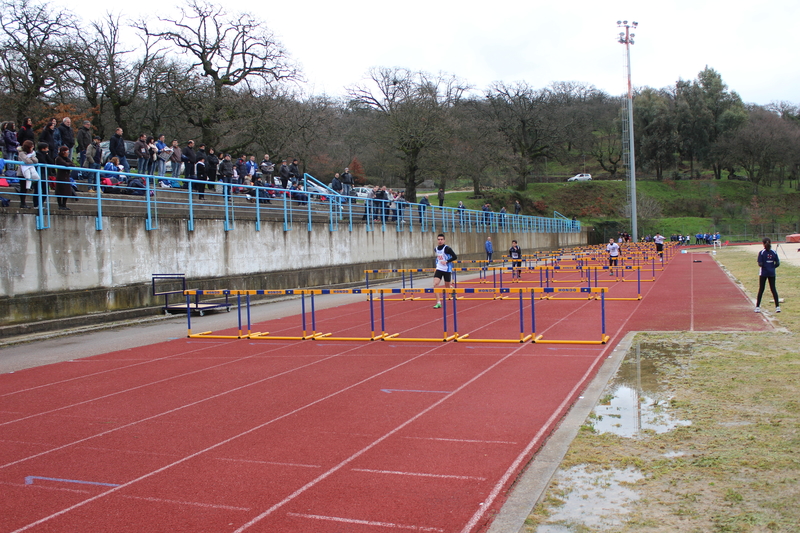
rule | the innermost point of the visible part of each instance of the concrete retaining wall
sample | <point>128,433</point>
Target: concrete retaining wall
<point>72,269</point>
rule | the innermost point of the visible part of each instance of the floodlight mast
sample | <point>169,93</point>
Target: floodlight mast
<point>626,38</point>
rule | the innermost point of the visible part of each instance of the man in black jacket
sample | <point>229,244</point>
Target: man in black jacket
<point>189,158</point>
<point>66,134</point>
<point>116,147</point>
<point>84,140</point>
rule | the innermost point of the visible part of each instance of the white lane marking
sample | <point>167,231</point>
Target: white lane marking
<point>469,441</point>
<point>300,465</point>
<point>367,448</point>
<point>217,445</point>
<point>417,474</point>
<point>180,502</point>
<point>153,417</point>
<point>95,359</point>
<point>367,522</point>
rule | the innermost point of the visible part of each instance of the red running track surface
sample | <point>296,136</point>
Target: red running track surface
<point>288,436</point>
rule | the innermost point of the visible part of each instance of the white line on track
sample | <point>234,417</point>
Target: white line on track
<point>230,439</point>
<point>365,449</point>
<point>469,441</point>
<point>115,369</point>
<point>124,391</point>
<point>163,413</point>
<point>299,465</point>
<point>367,522</point>
<point>417,474</point>
<point>180,502</point>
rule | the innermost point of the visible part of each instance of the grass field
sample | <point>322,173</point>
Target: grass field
<point>736,468</point>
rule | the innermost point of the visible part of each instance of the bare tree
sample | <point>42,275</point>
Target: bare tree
<point>415,105</point>
<point>33,38</point>
<point>524,117</point>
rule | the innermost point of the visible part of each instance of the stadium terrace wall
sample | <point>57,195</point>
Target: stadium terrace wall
<point>73,270</point>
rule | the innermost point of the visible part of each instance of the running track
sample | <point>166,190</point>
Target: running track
<point>203,435</point>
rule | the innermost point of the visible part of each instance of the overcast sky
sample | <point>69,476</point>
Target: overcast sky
<point>753,45</point>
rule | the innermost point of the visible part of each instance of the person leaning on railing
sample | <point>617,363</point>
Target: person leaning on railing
<point>63,186</point>
<point>27,170</point>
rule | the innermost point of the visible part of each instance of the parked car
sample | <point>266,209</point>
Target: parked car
<point>361,192</point>
<point>581,177</point>
<point>130,153</point>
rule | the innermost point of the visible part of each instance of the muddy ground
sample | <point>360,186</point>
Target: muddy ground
<point>700,432</point>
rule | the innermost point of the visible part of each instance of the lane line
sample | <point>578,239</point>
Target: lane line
<point>142,362</point>
<point>299,465</point>
<point>181,502</point>
<point>524,455</point>
<point>158,415</point>
<point>471,441</point>
<point>367,522</point>
<point>124,391</point>
<point>417,474</point>
<point>212,447</point>
<point>364,450</point>
<point>29,481</point>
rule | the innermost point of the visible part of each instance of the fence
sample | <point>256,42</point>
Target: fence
<point>314,202</point>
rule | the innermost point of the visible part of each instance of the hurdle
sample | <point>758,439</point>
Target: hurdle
<point>448,295</point>
<point>538,339</point>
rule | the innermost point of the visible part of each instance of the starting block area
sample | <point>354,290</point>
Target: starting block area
<point>465,316</point>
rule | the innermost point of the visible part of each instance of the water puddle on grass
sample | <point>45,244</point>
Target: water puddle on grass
<point>636,400</point>
<point>593,501</point>
<point>635,403</point>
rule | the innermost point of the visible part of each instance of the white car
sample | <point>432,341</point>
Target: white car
<point>361,192</point>
<point>581,177</point>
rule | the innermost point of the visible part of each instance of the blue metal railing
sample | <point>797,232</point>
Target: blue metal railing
<point>227,200</point>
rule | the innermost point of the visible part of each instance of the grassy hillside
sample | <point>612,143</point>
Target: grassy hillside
<point>684,206</point>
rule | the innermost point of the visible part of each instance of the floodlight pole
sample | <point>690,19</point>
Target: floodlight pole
<point>627,39</point>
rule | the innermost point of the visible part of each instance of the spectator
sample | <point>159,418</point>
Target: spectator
<point>163,153</point>
<point>176,158</point>
<point>294,172</point>
<point>212,163</point>
<point>48,135</point>
<point>27,171</point>
<point>461,208</point>
<point>63,186</point>
<point>189,158</point>
<point>10,142</point>
<point>336,184</point>
<point>142,154</point>
<point>267,168</point>
<point>347,183</point>
<point>284,174</point>
<point>94,154</point>
<point>440,196</point>
<point>64,136</point>
<point>45,158</point>
<point>84,140</point>
<point>422,207</point>
<point>25,132</point>
<point>116,147</point>
<point>200,173</point>
<point>517,207</point>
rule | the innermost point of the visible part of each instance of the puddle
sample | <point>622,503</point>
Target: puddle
<point>596,501</point>
<point>635,400</point>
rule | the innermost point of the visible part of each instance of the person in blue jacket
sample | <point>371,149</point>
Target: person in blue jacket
<point>489,249</point>
<point>768,261</point>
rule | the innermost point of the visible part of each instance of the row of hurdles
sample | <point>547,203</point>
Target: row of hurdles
<point>449,296</point>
